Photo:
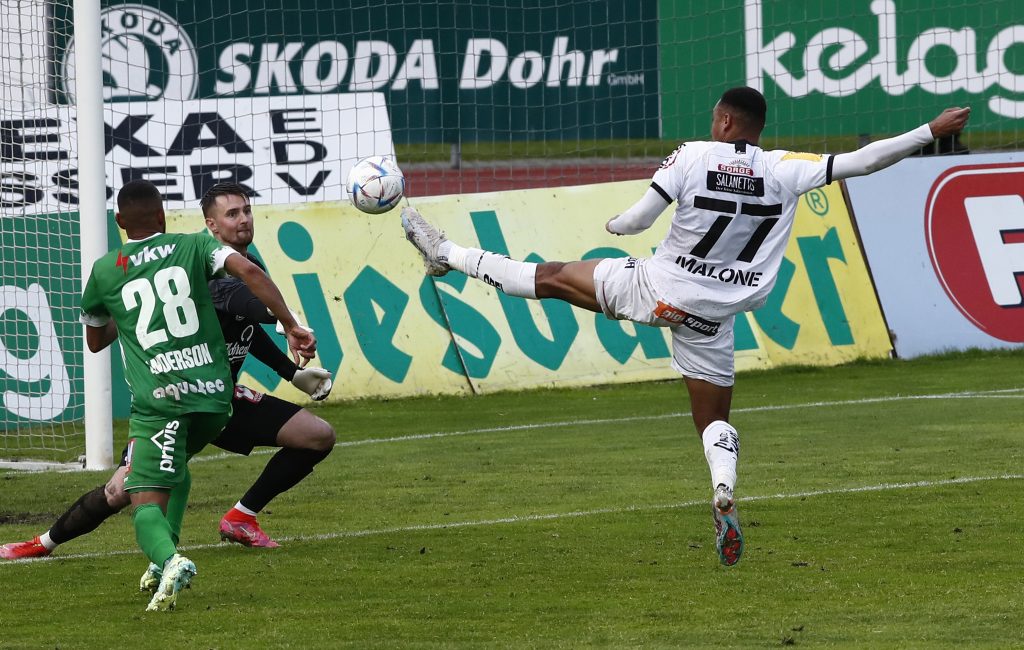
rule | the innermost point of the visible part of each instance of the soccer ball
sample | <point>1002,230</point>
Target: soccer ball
<point>376,184</point>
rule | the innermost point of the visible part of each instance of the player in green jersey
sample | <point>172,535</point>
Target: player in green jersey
<point>152,293</point>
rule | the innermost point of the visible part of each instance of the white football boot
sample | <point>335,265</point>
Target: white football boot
<point>150,580</point>
<point>177,575</point>
<point>728,536</point>
<point>427,239</point>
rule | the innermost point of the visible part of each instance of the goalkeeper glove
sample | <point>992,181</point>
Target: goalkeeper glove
<point>315,382</point>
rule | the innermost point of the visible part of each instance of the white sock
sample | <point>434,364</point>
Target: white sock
<point>722,449</point>
<point>45,540</point>
<point>445,251</point>
<point>507,275</point>
<point>245,511</point>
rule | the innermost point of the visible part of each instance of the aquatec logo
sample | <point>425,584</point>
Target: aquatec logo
<point>974,226</point>
<point>146,56</point>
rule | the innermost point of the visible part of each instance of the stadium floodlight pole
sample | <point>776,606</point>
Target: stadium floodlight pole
<point>92,211</point>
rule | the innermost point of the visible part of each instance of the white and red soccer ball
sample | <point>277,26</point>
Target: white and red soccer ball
<point>376,184</point>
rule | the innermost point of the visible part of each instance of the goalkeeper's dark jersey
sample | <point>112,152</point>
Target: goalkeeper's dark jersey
<point>241,316</point>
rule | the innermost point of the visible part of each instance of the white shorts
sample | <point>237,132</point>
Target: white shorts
<point>701,348</point>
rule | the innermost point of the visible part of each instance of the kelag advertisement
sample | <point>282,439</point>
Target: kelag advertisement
<point>843,68</point>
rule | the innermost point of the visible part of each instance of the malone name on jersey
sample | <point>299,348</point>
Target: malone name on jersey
<point>726,274</point>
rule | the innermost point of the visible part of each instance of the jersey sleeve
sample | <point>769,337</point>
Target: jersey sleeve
<point>214,253</point>
<point>271,356</point>
<point>232,296</point>
<point>94,312</point>
<point>802,172</point>
<point>668,180</point>
<point>219,257</point>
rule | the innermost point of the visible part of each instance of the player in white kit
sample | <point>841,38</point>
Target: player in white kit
<point>735,205</point>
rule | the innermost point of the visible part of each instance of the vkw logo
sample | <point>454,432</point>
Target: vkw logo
<point>146,56</point>
<point>974,226</point>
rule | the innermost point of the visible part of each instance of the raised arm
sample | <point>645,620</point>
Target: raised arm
<point>270,355</point>
<point>315,382</point>
<point>233,297</point>
<point>300,340</point>
<point>881,154</point>
<point>640,215</point>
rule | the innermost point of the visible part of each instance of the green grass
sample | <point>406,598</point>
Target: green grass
<point>58,442</point>
<point>542,526</point>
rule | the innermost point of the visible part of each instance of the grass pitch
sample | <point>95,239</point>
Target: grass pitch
<point>881,504</point>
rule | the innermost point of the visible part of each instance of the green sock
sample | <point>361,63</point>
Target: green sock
<point>176,505</point>
<point>153,533</point>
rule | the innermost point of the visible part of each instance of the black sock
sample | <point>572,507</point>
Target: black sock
<point>285,470</point>
<point>83,517</point>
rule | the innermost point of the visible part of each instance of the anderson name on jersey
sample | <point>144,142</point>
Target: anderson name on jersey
<point>735,205</point>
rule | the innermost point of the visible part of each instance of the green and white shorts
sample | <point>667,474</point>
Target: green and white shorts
<point>159,447</point>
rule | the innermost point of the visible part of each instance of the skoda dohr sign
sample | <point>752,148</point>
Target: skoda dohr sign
<point>974,224</point>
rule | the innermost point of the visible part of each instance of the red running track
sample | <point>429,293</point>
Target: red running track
<point>431,180</point>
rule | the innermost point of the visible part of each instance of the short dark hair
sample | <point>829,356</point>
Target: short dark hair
<point>221,189</point>
<point>749,103</point>
<point>139,200</point>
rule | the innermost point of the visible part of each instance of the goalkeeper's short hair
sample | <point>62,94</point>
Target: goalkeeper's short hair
<point>221,189</point>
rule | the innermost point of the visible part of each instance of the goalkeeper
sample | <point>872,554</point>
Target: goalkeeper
<point>257,419</point>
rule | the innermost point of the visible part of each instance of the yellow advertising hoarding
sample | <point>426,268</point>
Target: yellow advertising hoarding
<point>385,329</point>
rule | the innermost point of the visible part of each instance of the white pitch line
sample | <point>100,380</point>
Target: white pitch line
<point>1005,392</point>
<point>516,519</point>
<point>998,393</point>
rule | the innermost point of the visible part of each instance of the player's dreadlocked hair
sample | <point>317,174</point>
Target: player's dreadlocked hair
<point>749,103</point>
<point>221,189</point>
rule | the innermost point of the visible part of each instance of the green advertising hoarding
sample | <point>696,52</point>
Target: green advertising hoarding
<point>844,68</point>
<point>451,71</point>
<point>40,336</point>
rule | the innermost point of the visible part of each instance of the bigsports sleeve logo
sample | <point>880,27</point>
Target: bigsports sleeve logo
<point>974,226</point>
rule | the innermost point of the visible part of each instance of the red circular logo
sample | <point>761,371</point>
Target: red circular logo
<point>974,226</point>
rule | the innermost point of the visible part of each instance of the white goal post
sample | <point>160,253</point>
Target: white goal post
<point>50,388</point>
<point>92,210</point>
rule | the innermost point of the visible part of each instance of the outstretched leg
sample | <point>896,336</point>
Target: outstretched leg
<point>84,516</point>
<point>624,294</point>
<point>572,282</point>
